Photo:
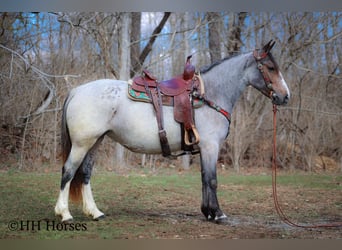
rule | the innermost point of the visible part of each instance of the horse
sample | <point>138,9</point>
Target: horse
<point>101,108</point>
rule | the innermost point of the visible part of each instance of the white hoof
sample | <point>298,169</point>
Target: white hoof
<point>99,218</point>
<point>97,215</point>
<point>66,216</point>
<point>221,218</point>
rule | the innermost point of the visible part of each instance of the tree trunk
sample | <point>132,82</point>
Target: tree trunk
<point>147,49</point>
<point>124,50</point>
<point>214,36</point>
<point>135,42</point>
<point>234,38</point>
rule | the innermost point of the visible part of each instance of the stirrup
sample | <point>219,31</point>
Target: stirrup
<point>186,136</point>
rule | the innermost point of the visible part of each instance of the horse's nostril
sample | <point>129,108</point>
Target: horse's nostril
<point>286,98</point>
<point>275,97</point>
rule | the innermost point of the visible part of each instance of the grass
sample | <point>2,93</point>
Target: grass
<point>159,206</point>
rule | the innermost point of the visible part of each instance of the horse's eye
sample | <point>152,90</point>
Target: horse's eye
<point>270,68</point>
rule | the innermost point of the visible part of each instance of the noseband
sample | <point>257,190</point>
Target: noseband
<point>259,60</point>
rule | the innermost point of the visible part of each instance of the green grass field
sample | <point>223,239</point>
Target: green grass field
<point>167,205</point>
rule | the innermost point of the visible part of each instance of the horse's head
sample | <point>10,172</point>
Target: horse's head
<point>267,77</point>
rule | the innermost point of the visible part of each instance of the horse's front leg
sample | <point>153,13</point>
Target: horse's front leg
<point>210,206</point>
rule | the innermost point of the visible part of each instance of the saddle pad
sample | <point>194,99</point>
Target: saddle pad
<point>138,96</point>
<point>167,100</point>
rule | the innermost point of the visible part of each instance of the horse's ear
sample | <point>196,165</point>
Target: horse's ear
<point>267,48</point>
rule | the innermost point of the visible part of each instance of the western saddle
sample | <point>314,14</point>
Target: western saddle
<point>176,92</point>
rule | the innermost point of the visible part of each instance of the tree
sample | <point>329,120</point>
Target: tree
<point>214,28</point>
<point>147,49</point>
<point>135,42</point>
<point>236,25</point>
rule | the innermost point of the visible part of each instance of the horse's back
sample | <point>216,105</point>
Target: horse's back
<point>103,88</point>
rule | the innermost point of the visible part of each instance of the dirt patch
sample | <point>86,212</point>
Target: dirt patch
<point>171,225</point>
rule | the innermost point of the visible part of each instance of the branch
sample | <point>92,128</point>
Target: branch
<point>311,110</point>
<point>153,37</point>
<point>44,78</point>
<point>34,69</point>
<point>318,73</point>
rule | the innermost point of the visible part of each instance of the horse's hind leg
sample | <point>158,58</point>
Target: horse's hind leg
<point>62,207</point>
<point>89,206</point>
<point>70,167</point>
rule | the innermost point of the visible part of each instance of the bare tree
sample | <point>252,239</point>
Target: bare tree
<point>214,28</point>
<point>124,49</point>
<point>147,49</point>
<point>135,42</point>
<point>236,25</point>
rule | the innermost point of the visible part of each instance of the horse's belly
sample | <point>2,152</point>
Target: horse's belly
<point>135,127</point>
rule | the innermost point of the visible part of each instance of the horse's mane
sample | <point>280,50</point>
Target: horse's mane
<point>207,68</point>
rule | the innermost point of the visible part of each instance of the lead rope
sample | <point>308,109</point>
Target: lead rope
<point>280,212</point>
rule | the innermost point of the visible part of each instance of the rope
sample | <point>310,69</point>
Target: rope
<point>280,212</point>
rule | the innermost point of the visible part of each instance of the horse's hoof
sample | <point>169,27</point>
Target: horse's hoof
<point>101,217</point>
<point>221,219</point>
<point>209,218</point>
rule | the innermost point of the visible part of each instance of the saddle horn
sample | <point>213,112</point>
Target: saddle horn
<point>189,69</point>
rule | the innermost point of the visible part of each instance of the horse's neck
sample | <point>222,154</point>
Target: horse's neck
<point>225,83</point>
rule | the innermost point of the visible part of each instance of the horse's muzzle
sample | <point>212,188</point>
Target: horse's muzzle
<point>280,99</point>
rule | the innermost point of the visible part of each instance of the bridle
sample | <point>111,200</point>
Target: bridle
<point>260,58</point>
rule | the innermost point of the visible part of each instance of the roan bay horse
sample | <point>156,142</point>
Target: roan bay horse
<point>102,107</point>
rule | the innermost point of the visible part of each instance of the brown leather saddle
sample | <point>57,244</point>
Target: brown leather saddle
<point>177,91</point>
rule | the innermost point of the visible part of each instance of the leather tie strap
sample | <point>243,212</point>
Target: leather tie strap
<point>213,105</point>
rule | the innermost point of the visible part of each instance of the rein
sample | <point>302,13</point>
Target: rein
<point>280,212</point>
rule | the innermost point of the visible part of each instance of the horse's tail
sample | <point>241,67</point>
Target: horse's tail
<point>65,136</point>
<point>76,186</point>
<point>76,182</point>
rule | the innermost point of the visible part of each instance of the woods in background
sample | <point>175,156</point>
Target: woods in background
<point>44,55</point>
